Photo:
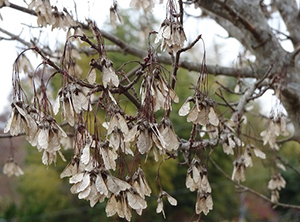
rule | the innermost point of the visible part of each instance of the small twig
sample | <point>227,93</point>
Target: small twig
<point>295,53</point>
<point>248,94</point>
<point>287,164</point>
<point>15,37</point>
<point>247,189</point>
<point>229,90</point>
<point>227,104</point>
<point>259,94</point>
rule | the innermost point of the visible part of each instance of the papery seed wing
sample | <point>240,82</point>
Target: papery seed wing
<point>56,105</point>
<point>121,208</point>
<point>68,171</point>
<point>144,142</point>
<point>138,188</point>
<point>127,148</point>
<point>122,124</point>
<point>272,184</point>
<point>101,186</point>
<point>139,211</point>
<point>45,158</point>
<point>172,200</point>
<point>281,166</point>
<point>43,136</point>
<point>108,158</point>
<point>166,32</point>
<point>163,86</point>
<point>94,196</point>
<point>174,96</point>
<point>78,99</point>
<point>205,186</point>
<point>91,76</point>
<point>112,98</point>
<point>53,144</point>
<point>147,189</point>
<point>84,183</point>
<point>193,114</point>
<point>112,155</point>
<point>209,202</point>
<point>116,185</point>
<point>185,108</point>
<point>238,141</point>
<point>85,156</point>
<point>111,206</point>
<point>109,77</point>
<point>159,137</point>
<point>105,125</point>
<point>112,186</point>
<point>73,189</point>
<point>227,149</point>
<point>8,168</point>
<point>213,118</point>
<point>190,183</point>
<point>196,174</point>
<point>112,17</point>
<point>231,142</point>
<point>203,117</point>
<point>114,140</point>
<point>20,110</point>
<point>69,112</point>
<point>158,99</point>
<point>18,171</point>
<point>170,138</point>
<point>76,178</point>
<point>15,126</point>
<point>259,153</point>
<point>85,193</point>
<point>143,93</point>
<point>160,206</point>
<point>31,128</point>
<point>131,134</point>
<point>63,133</point>
<point>200,205</point>
<point>135,201</point>
<point>112,124</point>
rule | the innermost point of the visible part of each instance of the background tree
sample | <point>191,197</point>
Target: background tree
<point>118,116</point>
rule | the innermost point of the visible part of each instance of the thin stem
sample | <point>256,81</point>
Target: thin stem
<point>247,189</point>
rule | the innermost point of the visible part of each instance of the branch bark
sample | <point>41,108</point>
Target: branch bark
<point>191,66</point>
<point>290,14</point>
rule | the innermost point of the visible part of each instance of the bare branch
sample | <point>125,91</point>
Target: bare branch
<point>247,189</point>
<point>290,14</point>
<point>247,97</point>
<point>191,66</point>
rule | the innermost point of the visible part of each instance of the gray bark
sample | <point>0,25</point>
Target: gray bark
<point>245,21</point>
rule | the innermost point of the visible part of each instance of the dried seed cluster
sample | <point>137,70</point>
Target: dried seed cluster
<point>103,146</point>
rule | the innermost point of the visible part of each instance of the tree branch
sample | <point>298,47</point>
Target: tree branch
<point>191,66</point>
<point>247,189</point>
<point>289,12</point>
<point>247,97</point>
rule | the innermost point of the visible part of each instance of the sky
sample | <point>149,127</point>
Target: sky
<point>99,11</point>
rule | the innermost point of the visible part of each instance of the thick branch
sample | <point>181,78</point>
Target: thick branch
<point>290,14</point>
